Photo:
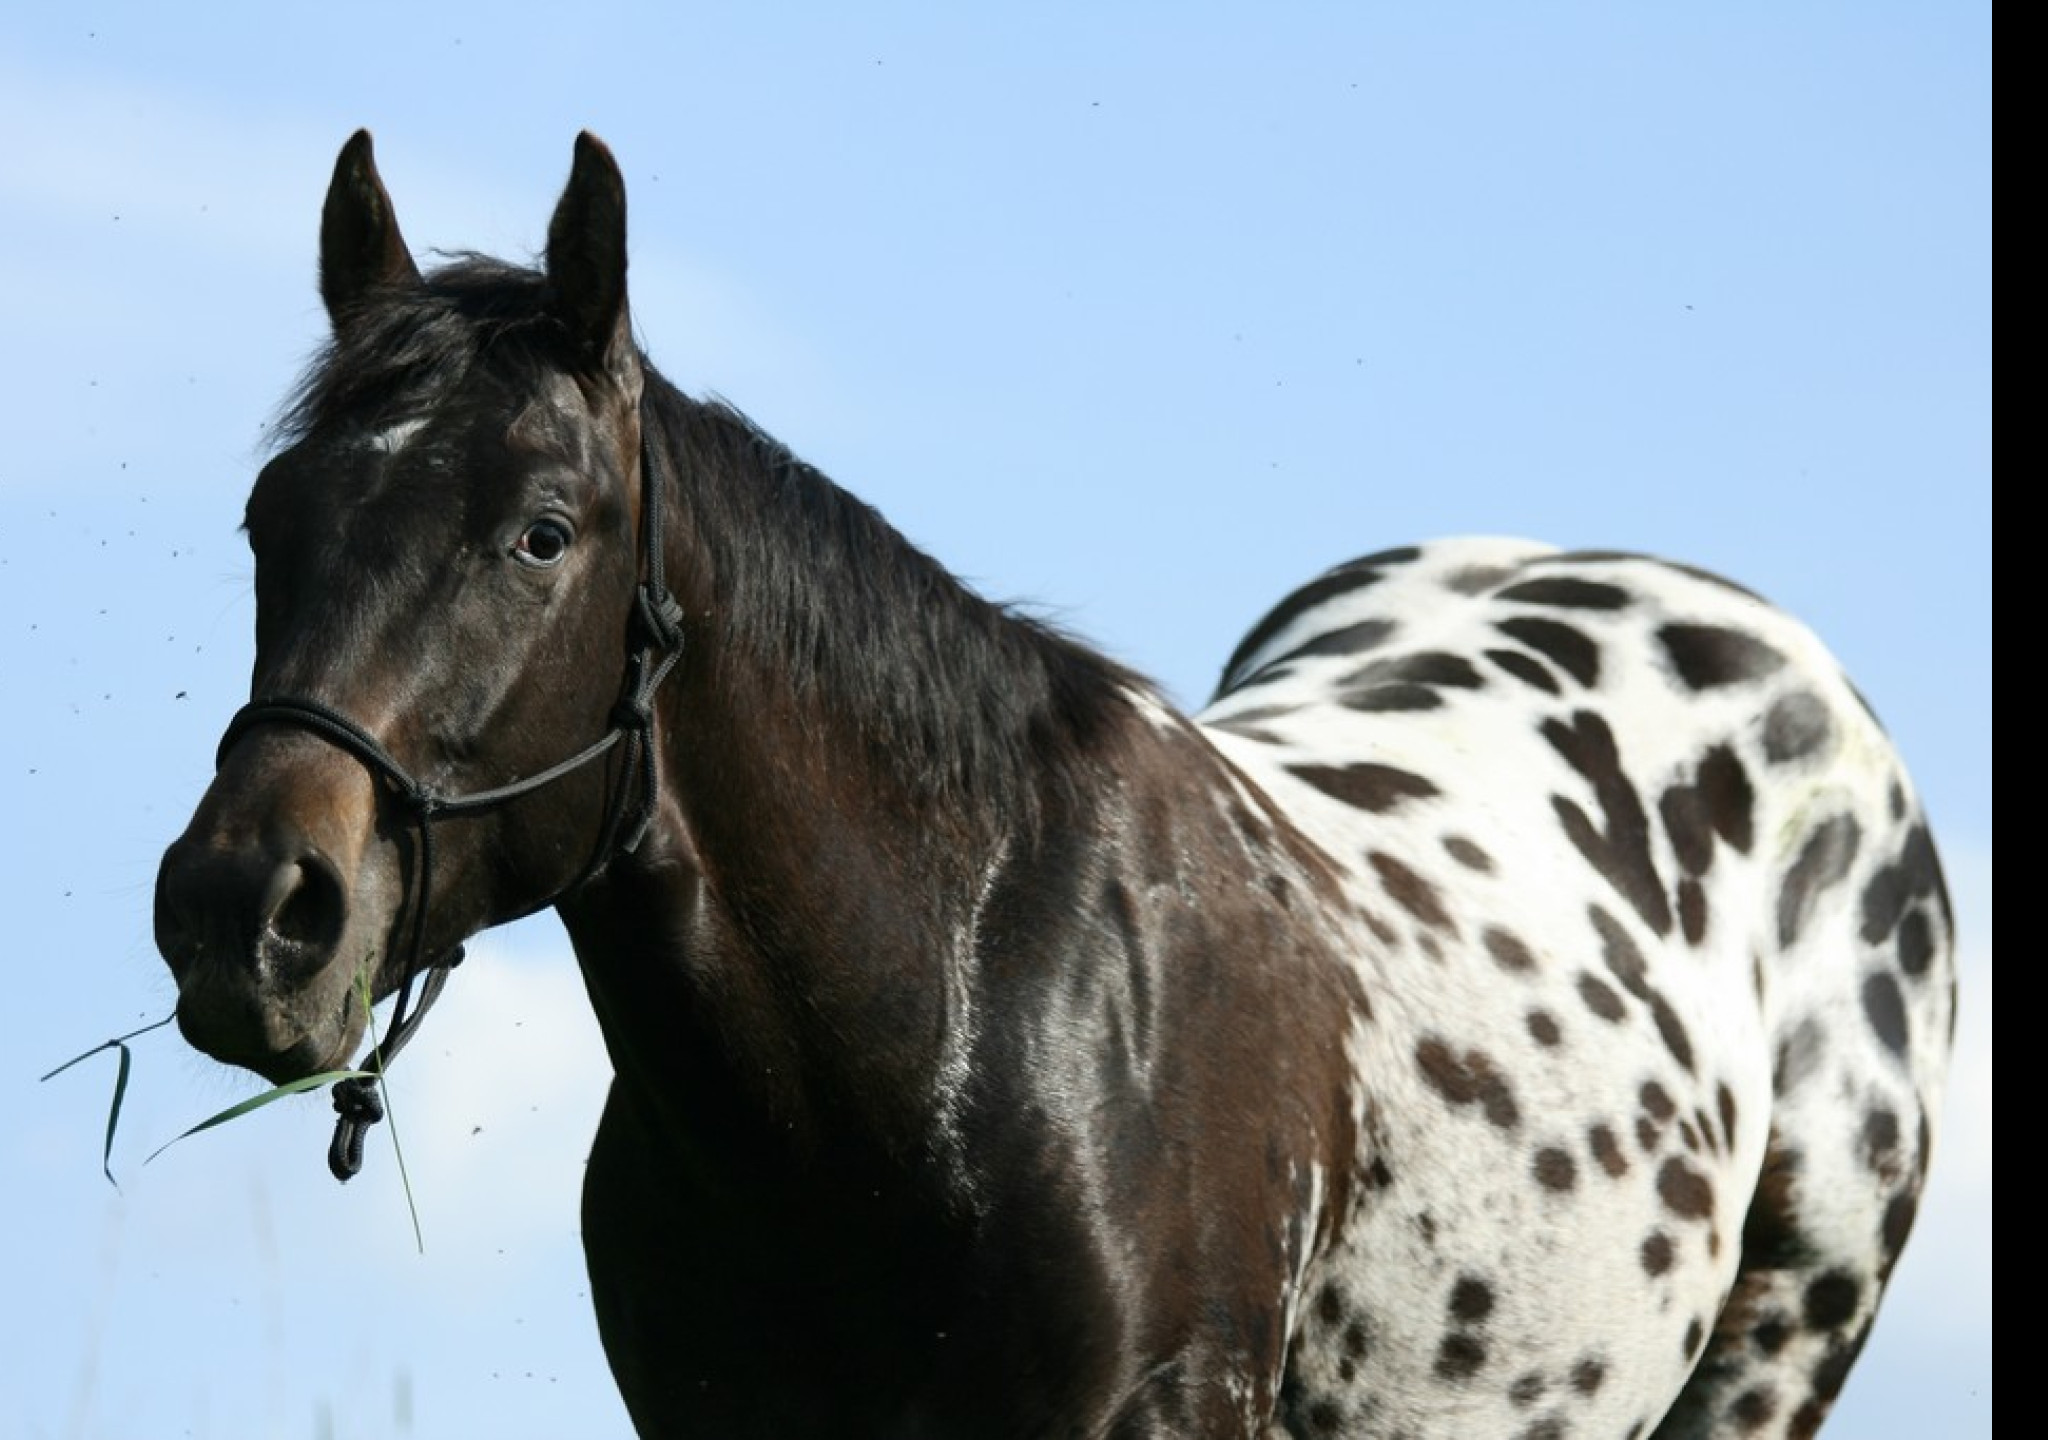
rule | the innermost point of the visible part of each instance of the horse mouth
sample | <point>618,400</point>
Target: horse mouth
<point>269,1035</point>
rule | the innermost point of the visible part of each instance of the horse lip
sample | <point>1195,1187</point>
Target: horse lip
<point>253,1032</point>
<point>279,1065</point>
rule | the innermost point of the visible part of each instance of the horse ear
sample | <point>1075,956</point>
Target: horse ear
<point>587,257</point>
<point>360,247</point>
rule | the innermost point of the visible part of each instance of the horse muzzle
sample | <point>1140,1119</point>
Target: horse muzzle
<point>258,914</point>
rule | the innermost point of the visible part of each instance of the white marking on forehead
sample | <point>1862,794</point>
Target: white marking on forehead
<point>394,438</point>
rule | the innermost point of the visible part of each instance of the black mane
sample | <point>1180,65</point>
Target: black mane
<point>965,701</point>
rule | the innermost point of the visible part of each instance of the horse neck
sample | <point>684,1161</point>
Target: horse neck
<point>853,748</point>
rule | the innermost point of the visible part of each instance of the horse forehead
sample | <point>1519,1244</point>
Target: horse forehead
<point>552,412</point>
<point>473,438</point>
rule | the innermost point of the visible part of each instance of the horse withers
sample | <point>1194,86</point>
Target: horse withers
<point>1516,1006</point>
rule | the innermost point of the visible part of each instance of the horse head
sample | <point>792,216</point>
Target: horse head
<point>445,565</point>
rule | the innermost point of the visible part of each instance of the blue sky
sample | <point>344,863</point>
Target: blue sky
<point>1142,313</point>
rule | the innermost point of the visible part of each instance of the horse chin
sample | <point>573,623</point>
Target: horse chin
<point>281,1038</point>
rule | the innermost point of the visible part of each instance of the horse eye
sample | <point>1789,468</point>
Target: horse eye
<point>544,543</point>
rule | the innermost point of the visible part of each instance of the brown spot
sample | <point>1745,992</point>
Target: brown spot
<point>1543,1029</point>
<point>1460,1356</point>
<point>1508,950</point>
<point>1656,1101</point>
<point>1798,724</point>
<point>1881,1143</point>
<point>1671,1030</point>
<point>1657,1252</point>
<point>1344,580</point>
<point>1684,812</point>
<point>1526,668</point>
<point>1468,854</point>
<point>1753,1408</point>
<point>1527,1389</point>
<point>1885,1008</point>
<point>1620,953</point>
<point>1587,1375</point>
<point>1619,849</point>
<point>1916,943</point>
<point>1823,862</point>
<point>1366,786</point>
<point>1423,667</point>
<point>1476,579</point>
<point>1799,1056</point>
<point>1685,1192</point>
<point>1391,699</point>
<point>1709,656</point>
<point>1772,1237</point>
<point>1894,887</point>
<point>1468,1079</point>
<point>1607,1151</point>
<point>1806,1421</point>
<point>1724,787</point>
<point>1831,1300</point>
<point>1384,932</point>
<point>1692,911</point>
<point>1564,646</point>
<point>1898,1224</point>
<point>1770,1332</point>
<point>1725,1098</point>
<point>1471,1300</point>
<point>1705,1125</point>
<point>1835,1365</point>
<point>1567,592</point>
<point>1412,893</point>
<point>1600,997</point>
<point>1554,1170</point>
<point>1626,961</point>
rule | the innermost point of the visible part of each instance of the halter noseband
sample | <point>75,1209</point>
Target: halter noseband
<point>658,625</point>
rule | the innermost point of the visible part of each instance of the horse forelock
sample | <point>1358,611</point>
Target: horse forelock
<point>403,351</point>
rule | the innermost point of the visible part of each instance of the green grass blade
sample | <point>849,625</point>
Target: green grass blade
<point>114,1118</point>
<point>257,1102</point>
<point>118,1043</point>
<point>390,1116</point>
<point>114,1044</point>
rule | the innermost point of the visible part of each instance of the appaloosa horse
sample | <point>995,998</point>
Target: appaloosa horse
<point>1516,1007</point>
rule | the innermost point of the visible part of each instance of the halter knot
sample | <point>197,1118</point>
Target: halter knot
<point>633,712</point>
<point>660,616</point>
<point>359,1105</point>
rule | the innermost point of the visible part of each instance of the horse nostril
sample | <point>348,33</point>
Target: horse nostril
<point>304,904</point>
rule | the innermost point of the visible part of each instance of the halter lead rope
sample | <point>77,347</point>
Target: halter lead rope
<point>658,619</point>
